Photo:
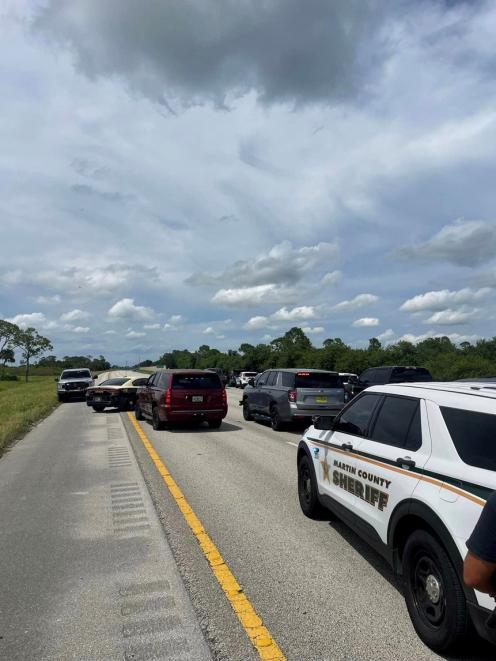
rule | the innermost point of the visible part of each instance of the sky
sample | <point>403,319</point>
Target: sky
<point>217,171</point>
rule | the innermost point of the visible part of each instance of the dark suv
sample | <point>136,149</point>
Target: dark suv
<point>182,396</point>
<point>379,376</point>
<point>287,395</point>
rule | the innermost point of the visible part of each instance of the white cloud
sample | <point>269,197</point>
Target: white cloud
<point>464,243</point>
<point>444,298</point>
<point>80,329</point>
<point>110,332</point>
<point>253,296</point>
<point>133,333</point>
<point>209,331</point>
<point>176,319</point>
<point>126,309</point>
<point>151,326</point>
<point>456,338</point>
<point>359,301</point>
<point>255,323</point>
<point>365,322</point>
<point>48,300</point>
<point>451,317</point>
<point>331,278</point>
<point>35,319</point>
<point>387,336</point>
<point>220,337</point>
<point>74,315</point>
<point>316,330</point>
<point>296,314</point>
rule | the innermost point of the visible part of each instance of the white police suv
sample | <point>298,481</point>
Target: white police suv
<point>409,467</point>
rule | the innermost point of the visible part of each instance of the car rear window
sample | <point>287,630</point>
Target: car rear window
<point>474,436</point>
<point>76,374</point>
<point>196,381</point>
<point>317,380</point>
<point>410,374</point>
<point>114,382</point>
<point>140,381</point>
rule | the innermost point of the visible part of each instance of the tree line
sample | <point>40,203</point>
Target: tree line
<point>29,341</point>
<point>444,359</point>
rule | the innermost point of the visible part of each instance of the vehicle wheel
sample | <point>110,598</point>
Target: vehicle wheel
<point>307,489</point>
<point>137,412</point>
<point>98,408</point>
<point>215,424</point>
<point>275,418</point>
<point>433,593</point>
<point>123,405</point>
<point>157,424</point>
<point>246,411</point>
<point>61,398</point>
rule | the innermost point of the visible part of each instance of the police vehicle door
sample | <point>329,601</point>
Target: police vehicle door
<point>333,452</point>
<point>388,462</point>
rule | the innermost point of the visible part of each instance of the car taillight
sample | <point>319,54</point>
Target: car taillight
<point>168,398</point>
<point>292,395</point>
<point>224,397</point>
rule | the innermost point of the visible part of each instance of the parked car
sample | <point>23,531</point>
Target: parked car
<point>120,392</point>
<point>74,383</point>
<point>182,396</point>
<point>287,395</point>
<point>376,376</point>
<point>409,467</point>
<point>244,378</point>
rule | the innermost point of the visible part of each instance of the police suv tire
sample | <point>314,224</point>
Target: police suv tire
<point>137,412</point>
<point>61,398</point>
<point>157,424</point>
<point>307,489</point>
<point>275,418</point>
<point>246,411</point>
<point>444,624</point>
<point>98,408</point>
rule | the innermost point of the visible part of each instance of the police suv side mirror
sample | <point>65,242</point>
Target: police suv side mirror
<point>323,422</point>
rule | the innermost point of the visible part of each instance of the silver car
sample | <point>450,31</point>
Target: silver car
<point>287,395</point>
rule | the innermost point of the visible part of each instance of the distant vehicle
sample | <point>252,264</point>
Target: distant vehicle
<point>74,383</point>
<point>378,376</point>
<point>244,378</point>
<point>120,392</point>
<point>347,376</point>
<point>287,395</point>
<point>222,374</point>
<point>182,396</point>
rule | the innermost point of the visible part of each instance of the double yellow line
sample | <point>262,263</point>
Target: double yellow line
<point>259,635</point>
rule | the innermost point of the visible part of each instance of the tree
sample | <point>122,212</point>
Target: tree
<point>7,355</point>
<point>32,344</point>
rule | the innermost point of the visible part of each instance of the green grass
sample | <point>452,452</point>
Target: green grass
<point>22,404</point>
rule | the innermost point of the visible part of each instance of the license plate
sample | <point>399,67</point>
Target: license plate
<point>321,400</point>
<point>97,399</point>
<point>197,398</point>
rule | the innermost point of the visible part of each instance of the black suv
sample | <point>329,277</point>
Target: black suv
<point>378,376</point>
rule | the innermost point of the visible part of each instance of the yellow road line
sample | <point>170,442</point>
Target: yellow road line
<point>259,635</point>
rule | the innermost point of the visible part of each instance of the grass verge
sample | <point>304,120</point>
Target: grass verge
<point>22,404</point>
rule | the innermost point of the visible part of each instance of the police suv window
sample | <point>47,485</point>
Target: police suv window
<point>288,379</point>
<point>394,422</point>
<point>355,420</point>
<point>272,379</point>
<point>262,380</point>
<point>474,436</point>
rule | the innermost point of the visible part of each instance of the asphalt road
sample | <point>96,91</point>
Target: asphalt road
<point>322,593</point>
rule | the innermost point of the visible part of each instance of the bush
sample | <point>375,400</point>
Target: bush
<point>9,377</point>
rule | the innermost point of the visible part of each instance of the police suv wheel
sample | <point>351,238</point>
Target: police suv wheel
<point>275,419</point>
<point>157,424</point>
<point>98,408</point>
<point>433,593</point>
<point>246,411</point>
<point>307,489</point>
<point>137,412</point>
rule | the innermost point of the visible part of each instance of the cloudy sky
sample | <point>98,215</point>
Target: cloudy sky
<point>216,171</point>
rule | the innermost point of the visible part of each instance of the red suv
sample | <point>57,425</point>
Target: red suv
<point>182,396</point>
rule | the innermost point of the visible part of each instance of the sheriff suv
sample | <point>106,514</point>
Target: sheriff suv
<point>409,467</point>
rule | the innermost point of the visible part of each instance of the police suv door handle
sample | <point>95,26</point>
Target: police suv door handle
<point>405,461</point>
<point>347,446</point>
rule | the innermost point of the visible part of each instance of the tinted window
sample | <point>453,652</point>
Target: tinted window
<point>153,379</point>
<point>474,436</point>
<point>288,379</point>
<point>380,375</point>
<point>262,379</point>
<point>318,380</point>
<point>366,376</point>
<point>114,382</point>
<point>355,419</point>
<point>394,422</point>
<point>196,382</point>
<point>410,374</point>
<point>272,379</point>
<point>140,382</point>
<point>76,374</point>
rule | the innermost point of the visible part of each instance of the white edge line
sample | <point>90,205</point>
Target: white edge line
<point>291,443</point>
